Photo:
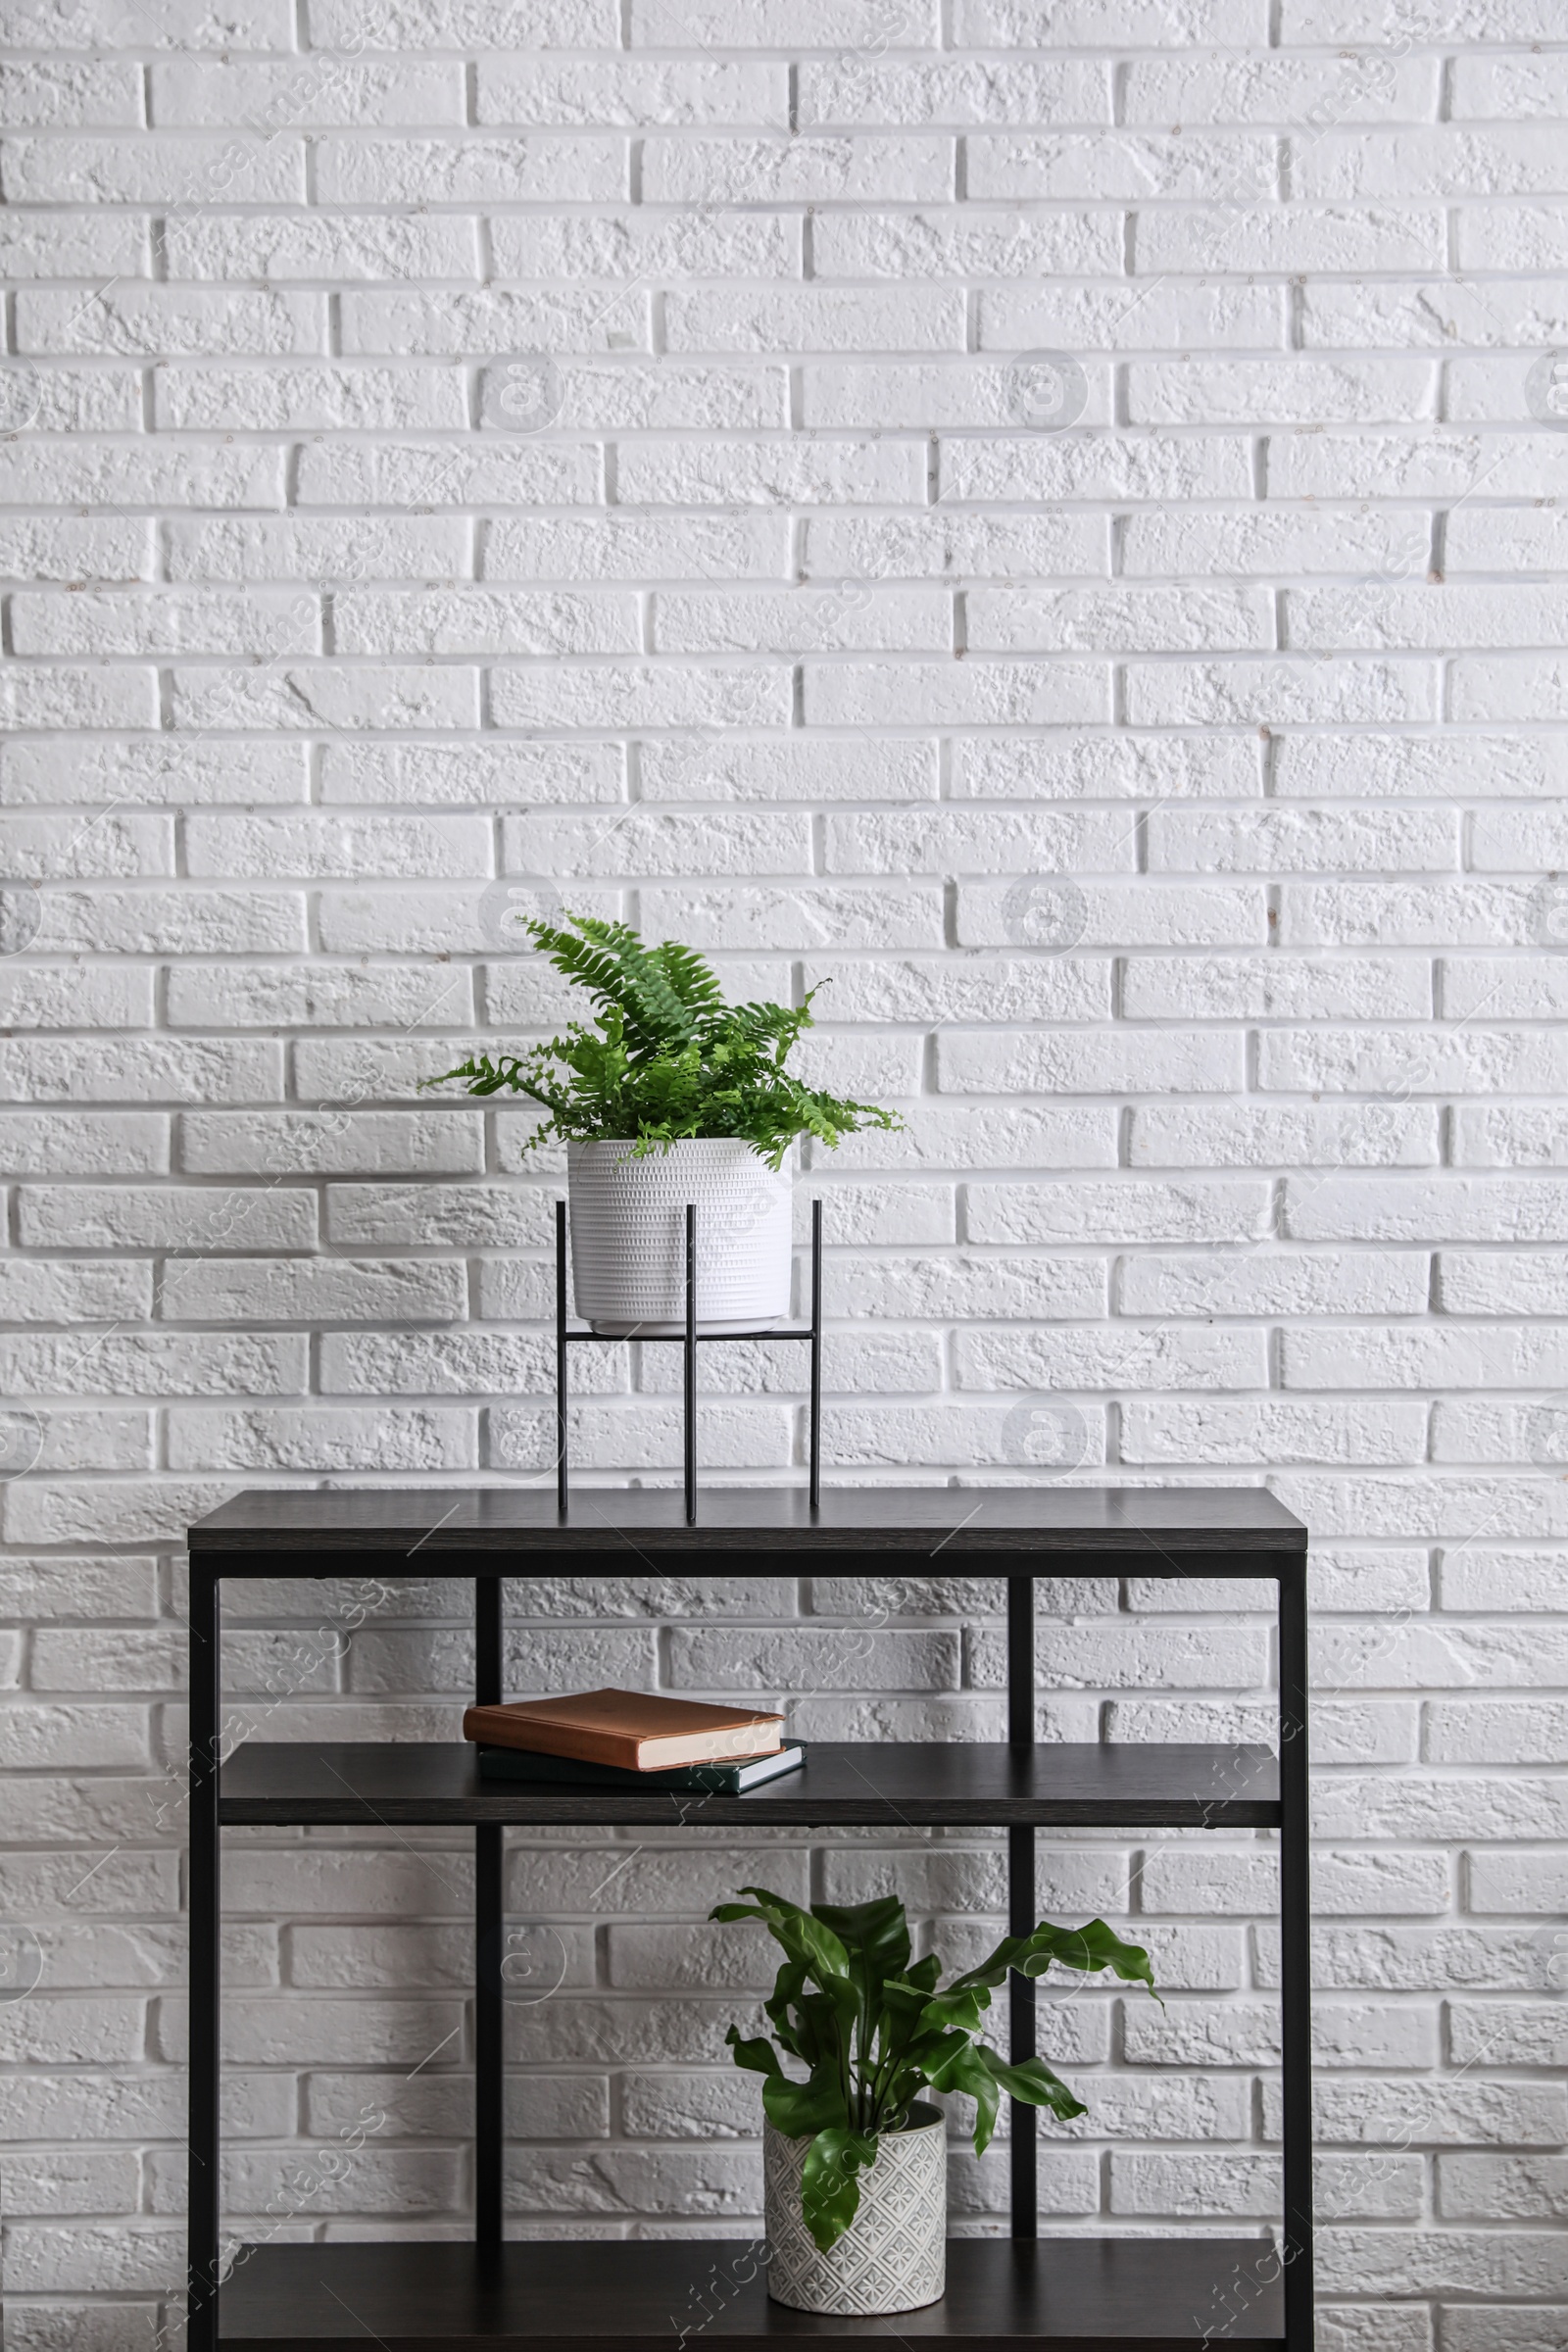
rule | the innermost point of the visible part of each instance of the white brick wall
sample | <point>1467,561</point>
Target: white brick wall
<point>1159,761</point>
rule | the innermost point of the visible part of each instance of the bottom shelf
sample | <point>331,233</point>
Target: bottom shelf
<point>1145,2294</point>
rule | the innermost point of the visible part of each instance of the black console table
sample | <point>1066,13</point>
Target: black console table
<point>1141,2294</point>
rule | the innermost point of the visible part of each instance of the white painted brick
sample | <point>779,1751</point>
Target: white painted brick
<point>1335,316</point>
<point>1239,692</point>
<point>476,774</point>
<point>752,473</point>
<point>1277,1282</point>
<point>934,393</point>
<point>35,472</point>
<point>63,548</point>
<point>1509,236</point>
<point>302,399</point>
<point>305,92</point>
<point>1115,619</point>
<point>1126,1062</point>
<point>638,93</point>
<point>820,319</point>
<point>335,1289</point>
<point>1271,987</point>
<point>942,543</point>
<point>1437,464</point>
<point>88,1216</point>
<point>141,1070</point>
<point>321,995</point>
<point>1297,841</point>
<point>1296,237</point>
<point>90,771</point>
<point>649,695</point>
<point>929,989</point>
<point>414,170</point>
<point>1132,468</point>
<point>1523,2328</point>
<point>167,322</point>
<point>41,244</point>
<point>326,547</point>
<point>802,621</point>
<point>457,24</point>
<point>614,546</point>
<point>1116,1212</point>
<point>229,168</point>
<point>330,696</point>
<point>390,473</point>
<point>58,695</point>
<point>85,1143</point>
<point>174,922</point>
<point>173,621</point>
<point>1272,540</point>
<point>68,94</point>
<point>1122,914</point>
<point>941,241</point>
<point>979,841</point>
<point>1114,1358</point>
<point>1351,915</point>
<point>333,1141</point>
<point>1531,1137</point>
<point>874,167</point>
<point>1409,1061</point>
<point>340,246</point>
<point>48,848</point>
<point>1386,614</point>
<point>1106,318</point>
<point>308,845</point>
<point>1280,89</point>
<point>1280,391</point>
<point>337,1438</point>
<point>797,769</point>
<point>614,243</point>
<point>1515,159</point>
<point>1283,1432</point>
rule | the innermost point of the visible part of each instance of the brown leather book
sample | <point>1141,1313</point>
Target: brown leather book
<point>630,1728</point>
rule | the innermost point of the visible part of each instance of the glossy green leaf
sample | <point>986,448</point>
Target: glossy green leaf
<point>830,2190</point>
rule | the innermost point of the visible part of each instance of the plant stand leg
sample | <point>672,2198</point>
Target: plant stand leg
<point>1021,1902</point>
<point>815,1434</point>
<point>560,1358</point>
<point>689,1384</point>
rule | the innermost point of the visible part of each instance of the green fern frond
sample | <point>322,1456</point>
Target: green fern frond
<point>666,1057</point>
<point>691,978</point>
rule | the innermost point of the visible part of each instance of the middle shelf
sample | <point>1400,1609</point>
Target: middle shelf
<point>865,1785</point>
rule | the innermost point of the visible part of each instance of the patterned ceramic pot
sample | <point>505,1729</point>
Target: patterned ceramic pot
<point>893,2256</point>
<point>628,1237</point>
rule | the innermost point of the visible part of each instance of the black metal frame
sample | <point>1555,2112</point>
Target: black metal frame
<point>1295,2251</point>
<point>689,1341</point>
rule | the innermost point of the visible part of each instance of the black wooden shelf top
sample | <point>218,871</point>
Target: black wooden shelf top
<point>1075,2294</point>
<point>969,1530</point>
<point>967,1785</point>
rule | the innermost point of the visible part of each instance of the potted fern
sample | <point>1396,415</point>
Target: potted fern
<point>854,2163</point>
<point>670,1095</point>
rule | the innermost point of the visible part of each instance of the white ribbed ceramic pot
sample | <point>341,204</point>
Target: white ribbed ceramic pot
<point>894,2254</point>
<point>628,1237</point>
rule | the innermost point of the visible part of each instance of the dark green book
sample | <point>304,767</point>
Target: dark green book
<point>713,1780</point>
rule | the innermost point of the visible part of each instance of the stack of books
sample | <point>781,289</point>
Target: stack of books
<point>599,1738</point>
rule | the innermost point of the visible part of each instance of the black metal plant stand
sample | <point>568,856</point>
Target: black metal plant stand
<point>689,1342</point>
<point>1023,2294</point>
